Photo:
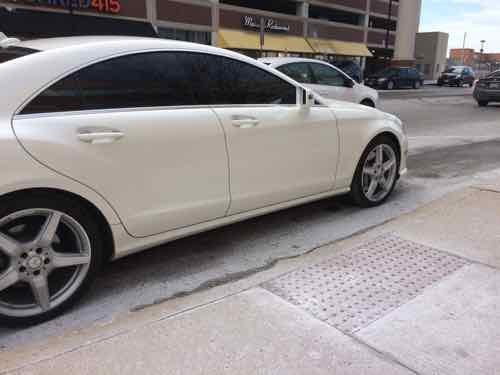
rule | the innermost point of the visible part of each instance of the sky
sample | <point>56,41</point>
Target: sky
<point>479,18</point>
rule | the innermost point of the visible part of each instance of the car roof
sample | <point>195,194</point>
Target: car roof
<point>95,41</point>
<point>278,61</point>
<point>61,56</point>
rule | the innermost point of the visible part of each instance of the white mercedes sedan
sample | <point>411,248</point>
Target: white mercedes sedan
<point>111,145</point>
<point>325,79</point>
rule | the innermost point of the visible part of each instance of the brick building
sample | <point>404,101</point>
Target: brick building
<point>372,31</point>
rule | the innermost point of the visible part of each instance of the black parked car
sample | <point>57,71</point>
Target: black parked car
<point>457,76</point>
<point>488,89</point>
<point>351,68</point>
<point>395,78</point>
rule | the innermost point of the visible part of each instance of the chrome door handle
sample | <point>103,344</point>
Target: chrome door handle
<point>245,123</point>
<point>99,136</point>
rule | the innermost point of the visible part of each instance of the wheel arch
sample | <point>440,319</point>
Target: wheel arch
<point>382,134</point>
<point>104,225</point>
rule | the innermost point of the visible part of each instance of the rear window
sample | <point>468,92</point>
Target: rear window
<point>12,53</point>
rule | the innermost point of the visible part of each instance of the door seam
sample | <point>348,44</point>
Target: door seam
<point>228,161</point>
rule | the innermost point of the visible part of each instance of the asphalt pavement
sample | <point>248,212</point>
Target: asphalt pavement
<point>453,144</point>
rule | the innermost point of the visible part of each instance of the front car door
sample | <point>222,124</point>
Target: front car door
<point>278,151</point>
<point>331,83</point>
<point>132,128</point>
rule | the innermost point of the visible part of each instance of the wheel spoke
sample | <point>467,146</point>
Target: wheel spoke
<point>380,154</point>
<point>372,188</point>
<point>9,246</point>
<point>369,171</point>
<point>40,288</point>
<point>388,165</point>
<point>8,278</point>
<point>48,231</point>
<point>384,184</point>
<point>68,260</point>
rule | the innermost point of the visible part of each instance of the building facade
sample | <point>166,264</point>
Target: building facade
<point>431,50</point>
<point>372,31</point>
<point>483,63</point>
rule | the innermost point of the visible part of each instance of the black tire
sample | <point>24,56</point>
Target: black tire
<point>459,84</point>
<point>357,194</point>
<point>482,103</point>
<point>368,103</point>
<point>75,210</point>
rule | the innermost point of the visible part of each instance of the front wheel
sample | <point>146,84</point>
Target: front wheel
<point>376,174</point>
<point>482,103</point>
<point>50,250</point>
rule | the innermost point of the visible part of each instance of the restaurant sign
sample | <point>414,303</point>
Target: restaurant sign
<point>270,24</point>
<point>101,6</point>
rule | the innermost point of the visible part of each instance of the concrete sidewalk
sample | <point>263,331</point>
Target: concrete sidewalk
<point>418,295</point>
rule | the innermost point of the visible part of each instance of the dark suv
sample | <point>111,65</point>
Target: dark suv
<point>488,89</point>
<point>457,76</point>
<point>395,78</point>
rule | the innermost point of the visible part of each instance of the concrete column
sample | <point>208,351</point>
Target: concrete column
<point>215,21</point>
<point>408,23</point>
<point>303,11</point>
<point>151,12</point>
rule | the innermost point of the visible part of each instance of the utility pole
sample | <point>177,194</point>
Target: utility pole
<point>463,49</point>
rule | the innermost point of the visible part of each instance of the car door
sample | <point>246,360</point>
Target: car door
<point>278,151</point>
<point>132,128</point>
<point>331,83</point>
<point>404,78</point>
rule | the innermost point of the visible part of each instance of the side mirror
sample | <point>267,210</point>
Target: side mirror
<point>306,98</point>
<point>349,83</point>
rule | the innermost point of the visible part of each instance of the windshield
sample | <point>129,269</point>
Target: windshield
<point>11,53</point>
<point>454,69</point>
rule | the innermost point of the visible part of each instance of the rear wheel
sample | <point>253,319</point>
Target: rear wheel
<point>50,250</point>
<point>376,174</point>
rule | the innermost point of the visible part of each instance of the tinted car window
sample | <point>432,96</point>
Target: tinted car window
<point>235,82</point>
<point>163,79</point>
<point>63,96</point>
<point>298,71</point>
<point>413,73</point>
<point>12,53</point>
<point>324,75</point>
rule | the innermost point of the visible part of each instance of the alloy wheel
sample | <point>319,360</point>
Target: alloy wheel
<point>379,173</point>
<point>45,256</point>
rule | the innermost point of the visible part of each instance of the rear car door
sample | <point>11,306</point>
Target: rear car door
<point>132,128</point>
<point>278,151</point>
<point>331,83</point>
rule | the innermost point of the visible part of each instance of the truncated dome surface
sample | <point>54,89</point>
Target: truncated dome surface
<point>360,285</point>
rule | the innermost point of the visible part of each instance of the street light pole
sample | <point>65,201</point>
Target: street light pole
<point>482,52</point>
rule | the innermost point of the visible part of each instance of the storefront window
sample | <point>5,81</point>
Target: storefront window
<point>202,37</point>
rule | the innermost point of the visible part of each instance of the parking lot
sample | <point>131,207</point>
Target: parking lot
<point>453,143</point>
